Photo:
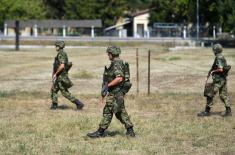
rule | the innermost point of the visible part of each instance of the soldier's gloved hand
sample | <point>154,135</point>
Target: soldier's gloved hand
<point>104,90</point>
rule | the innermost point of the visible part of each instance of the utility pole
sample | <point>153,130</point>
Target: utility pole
<point>197,19</point>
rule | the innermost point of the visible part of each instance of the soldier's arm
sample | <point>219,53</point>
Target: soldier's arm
<point>60,69</point>
<point>218,70</point>
<point>118,72</point>
<point>116,81</point>
<point>62,59</point>
<point>220,65</point>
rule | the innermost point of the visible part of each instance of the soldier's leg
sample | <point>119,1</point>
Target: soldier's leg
<point>65,92</point>
<point>106,120</point>
<point>107,113</point>
<point>223,92</point>
<point>122,115</point>
<point>209,101</point>
<point>54,95</point>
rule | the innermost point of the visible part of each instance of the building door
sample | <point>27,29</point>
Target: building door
<point>140,30</point>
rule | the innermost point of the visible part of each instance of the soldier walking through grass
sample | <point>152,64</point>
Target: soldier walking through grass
<point>116,84</point>
<point>219,72</point>
<point>61,81</point>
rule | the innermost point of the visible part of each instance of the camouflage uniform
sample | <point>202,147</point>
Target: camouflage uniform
<point>219,72</point>
<point>63,82</point>
<point>219,82</point>
<point>115,99</point>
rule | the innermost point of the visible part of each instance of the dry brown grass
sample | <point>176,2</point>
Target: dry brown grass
<point>165,122</point>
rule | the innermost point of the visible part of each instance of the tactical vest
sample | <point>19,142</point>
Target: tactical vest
<point>109,73</point>
<point>57,64</point>
<point>215,66</point>
<point>109,76</point>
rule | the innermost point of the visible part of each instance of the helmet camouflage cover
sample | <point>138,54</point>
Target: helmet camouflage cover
<point>61,44</point>
<point>113,50</point>
<point>217,48</point>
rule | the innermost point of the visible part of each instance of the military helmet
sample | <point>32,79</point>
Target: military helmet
<point>113,50</point>
<point>61,44</point>
<point>217,48</point>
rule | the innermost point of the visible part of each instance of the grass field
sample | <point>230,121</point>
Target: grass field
<point>165,122</point>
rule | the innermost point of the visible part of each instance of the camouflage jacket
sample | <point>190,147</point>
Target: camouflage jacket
<point>61,58</point>
<point>116,69</point>
<point>219,62</point>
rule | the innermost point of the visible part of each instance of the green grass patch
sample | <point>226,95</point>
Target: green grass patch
<point>83,75</point>
<point>23,94</point>
<point>174,58</point>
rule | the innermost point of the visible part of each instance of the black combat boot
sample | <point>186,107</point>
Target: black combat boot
<point>54,106</point>
<point>97,134</point>
<point>228,112</point>
<point>205,113</point>
<point>130,132</point>
<point>79,104</point>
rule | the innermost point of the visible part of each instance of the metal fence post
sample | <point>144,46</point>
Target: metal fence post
<point>137,71</point>
<point>17,35</point>
<point>149,72</point>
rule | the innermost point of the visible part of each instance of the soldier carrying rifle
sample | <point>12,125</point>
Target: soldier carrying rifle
<point>116,84</point>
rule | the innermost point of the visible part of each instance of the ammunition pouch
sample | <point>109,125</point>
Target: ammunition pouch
<point>126,86</point>
<point>209,90</point>
<point>68,66</point>
<point>226,70</point>
<point>66,82</point>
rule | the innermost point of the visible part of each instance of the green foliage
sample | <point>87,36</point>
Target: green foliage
<point>83,75</point>
<point>108,11</point>
<point>21,10</point>
<point>82,9</point>
<point>134,5</point>
<point>54,8</point>
<point>111,11</point>
<point>169,11</point>
<point>211,12</point>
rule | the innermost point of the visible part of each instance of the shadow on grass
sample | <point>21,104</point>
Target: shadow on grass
<point>112,133</point>
<point>63,107</point>
<point>216,113</point>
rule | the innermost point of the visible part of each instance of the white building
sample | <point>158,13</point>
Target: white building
<point>134,26</point>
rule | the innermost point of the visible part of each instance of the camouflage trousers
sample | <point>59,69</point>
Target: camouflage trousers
<point>61,85</point>
<point>219,85</point>
<point>115,105</point>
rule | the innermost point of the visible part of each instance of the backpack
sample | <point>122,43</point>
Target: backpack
<point>127,83</point>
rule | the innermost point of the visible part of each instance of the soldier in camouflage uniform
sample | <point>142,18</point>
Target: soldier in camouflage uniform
<point>115,98</point>
<point>60,78</point>
<point>219,73</point>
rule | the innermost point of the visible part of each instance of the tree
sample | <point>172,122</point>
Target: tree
<point>134,5</point>
<point>226,10</point>
<point>112,10</point>
<point>82,9</point>
<point>107,10</point>
<point>169,11</point>
<point>21,10</point>
<point>54,8</point>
